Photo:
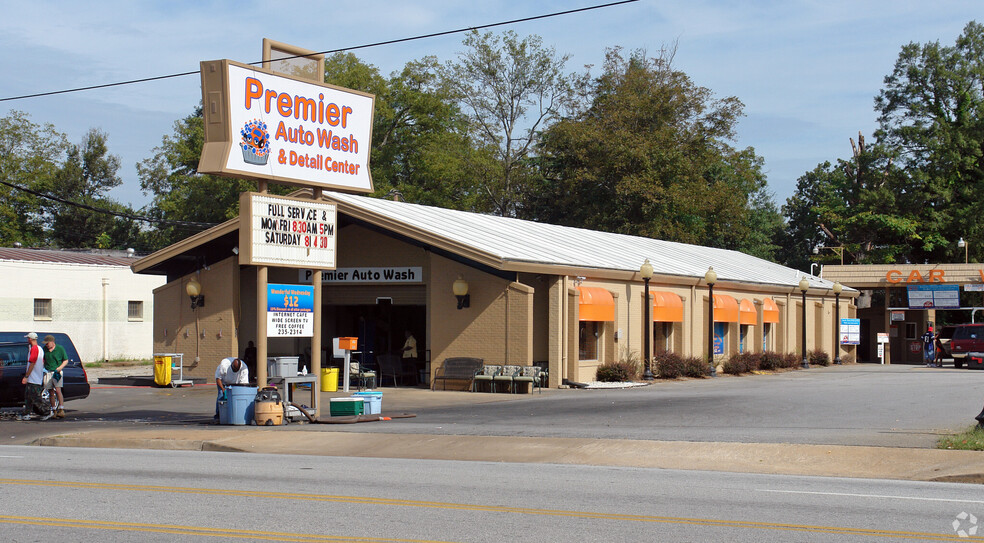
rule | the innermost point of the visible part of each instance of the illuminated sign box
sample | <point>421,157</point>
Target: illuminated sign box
<point>269,126</point>
<point>286,232</point>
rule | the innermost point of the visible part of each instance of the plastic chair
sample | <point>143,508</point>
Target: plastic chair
<point>485,375</point>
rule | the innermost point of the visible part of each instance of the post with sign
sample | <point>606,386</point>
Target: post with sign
<point>882,341</point>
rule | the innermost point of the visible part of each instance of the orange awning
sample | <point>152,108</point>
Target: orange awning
<point>725,308</point>
<point>667,307</point>
<point>746,310</point>
<point>595,304</point>
<point>770,311</point>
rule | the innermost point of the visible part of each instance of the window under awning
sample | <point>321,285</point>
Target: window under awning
<point>770,311</point>
<point>746,313</point>
<point>725,308</point>
<point>595,304</point>
<point>667,307</point>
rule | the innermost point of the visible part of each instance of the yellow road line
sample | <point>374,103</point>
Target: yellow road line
<point>194,530</point>
<point>365,500</point>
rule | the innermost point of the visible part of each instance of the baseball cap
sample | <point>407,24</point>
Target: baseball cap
<point>48,338</point>
<point>31,335</point>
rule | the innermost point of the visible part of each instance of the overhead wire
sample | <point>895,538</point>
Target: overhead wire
<point>200,225</point>
<point>328,52</point>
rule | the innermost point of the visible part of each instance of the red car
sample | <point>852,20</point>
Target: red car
<point>967,338</point>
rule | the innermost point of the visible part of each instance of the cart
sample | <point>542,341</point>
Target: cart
<point>177,362</point>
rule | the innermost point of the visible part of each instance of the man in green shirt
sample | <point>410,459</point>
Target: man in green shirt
<point>55,361</point>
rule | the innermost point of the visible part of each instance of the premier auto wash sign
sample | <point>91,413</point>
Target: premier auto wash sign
<point>396,274</point>
<point>290,310</point>
<point>264,125</point>
<point>286,232</point>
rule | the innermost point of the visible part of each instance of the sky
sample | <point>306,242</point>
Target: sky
<point>807,71</point>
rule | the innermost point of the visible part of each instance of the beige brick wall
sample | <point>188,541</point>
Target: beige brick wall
<point>214,336</point>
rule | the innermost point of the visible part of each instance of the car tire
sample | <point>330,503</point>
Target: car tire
<point>957,363</point>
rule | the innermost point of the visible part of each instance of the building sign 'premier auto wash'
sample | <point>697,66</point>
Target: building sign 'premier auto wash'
<point>286,232</point>
<point>400,274</point>
<point>263,125</point>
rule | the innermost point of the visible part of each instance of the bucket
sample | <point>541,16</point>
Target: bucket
<point>329,379</point>
<point>268,413</point>
<point>239,405</point>
<point>372,401</point>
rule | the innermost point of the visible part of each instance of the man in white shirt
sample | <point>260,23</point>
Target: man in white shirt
<point>231,371</point>
<point>34,382</point>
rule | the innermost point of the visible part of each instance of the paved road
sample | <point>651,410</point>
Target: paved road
<point>64,494</point>
<point>897,406</point>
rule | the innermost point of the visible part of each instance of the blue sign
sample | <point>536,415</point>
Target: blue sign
<point>850,332</point>
<point>290,298</point>
<point>720,329</point>
<point>934,296</point>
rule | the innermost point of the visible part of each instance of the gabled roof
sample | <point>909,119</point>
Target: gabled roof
<point>515,245</point>
<point>62,257</point>
<point>518,245</point>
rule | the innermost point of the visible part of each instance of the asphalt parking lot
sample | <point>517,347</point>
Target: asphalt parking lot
<point>892,406</point>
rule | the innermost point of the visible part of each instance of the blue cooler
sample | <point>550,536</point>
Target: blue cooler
<point>239,405</point>
<point>372,400</point>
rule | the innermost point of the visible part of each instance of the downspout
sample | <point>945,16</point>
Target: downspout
<point>566,332</point>
<point>105,319</point>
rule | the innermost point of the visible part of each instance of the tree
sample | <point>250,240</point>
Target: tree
<point>87,175</point>
<point>650,156</point>
<point>30,155</point>
<point>421,146</point>
<point>932,111</point>
<point>183,194</point>
<point>859,206</point>
<point>511,89</point>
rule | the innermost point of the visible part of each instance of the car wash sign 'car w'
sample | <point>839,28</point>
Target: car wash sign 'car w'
<point>263,125</point>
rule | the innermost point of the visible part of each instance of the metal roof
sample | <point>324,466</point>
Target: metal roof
<point>62,257</point>
<point>514,242</point>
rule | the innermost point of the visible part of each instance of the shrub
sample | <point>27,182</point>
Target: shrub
<point>848,359</point>
<point>770,360</point>
<point>791,360</point>
<point>816,357</point>
<point>626,369</point>
<point>695,367</point>
<point>668,365</point>
<point>741,363</point>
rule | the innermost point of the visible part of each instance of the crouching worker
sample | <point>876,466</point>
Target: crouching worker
<point>231,371</point>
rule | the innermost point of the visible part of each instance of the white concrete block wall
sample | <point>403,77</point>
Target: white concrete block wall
<point>76,292</point>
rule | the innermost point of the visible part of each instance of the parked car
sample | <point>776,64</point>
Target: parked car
<point>13,363</point>
<point>967,338</point>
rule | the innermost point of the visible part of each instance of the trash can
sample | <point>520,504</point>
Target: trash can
<point>329,379</point>
<point>239,405</point>
<point>162,370</point>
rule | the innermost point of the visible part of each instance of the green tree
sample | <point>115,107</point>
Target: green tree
<point>81,186</point>
<point>650,156</point>
<point>858,207</point>
<point>182,194</point>
<point>932,111</point>
<point>30,156</point>
<point>421,147</point>
<point>511,88</point>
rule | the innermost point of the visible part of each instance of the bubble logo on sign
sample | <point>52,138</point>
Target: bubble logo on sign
<point>255,142</point>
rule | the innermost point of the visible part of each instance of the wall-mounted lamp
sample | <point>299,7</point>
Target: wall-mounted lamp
<point>194,290</point>
<point>235,250</point>
<point>460,289</point>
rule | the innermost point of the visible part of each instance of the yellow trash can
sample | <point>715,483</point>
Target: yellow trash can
<point>329,379</point>
<point>162,370</point>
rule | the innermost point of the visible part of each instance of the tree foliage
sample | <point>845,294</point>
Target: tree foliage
<point>511,88</point>
<point>920,187</point>
<point>650,155</point>
<point>30,155</point>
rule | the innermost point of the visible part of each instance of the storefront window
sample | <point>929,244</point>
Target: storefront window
<point>742,334</point>
<point>766,332</point>
<point>588,340</point>
<point>720,335</point>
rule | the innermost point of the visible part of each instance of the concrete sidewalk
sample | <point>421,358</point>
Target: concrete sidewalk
<point>188,430</point>
<point>788,459</point>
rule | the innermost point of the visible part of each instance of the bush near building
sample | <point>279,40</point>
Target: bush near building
<point>817,357</point>
<point>617,372</point>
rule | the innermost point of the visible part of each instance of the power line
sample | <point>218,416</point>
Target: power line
<point>166,222</point>
<point>329,52</point>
